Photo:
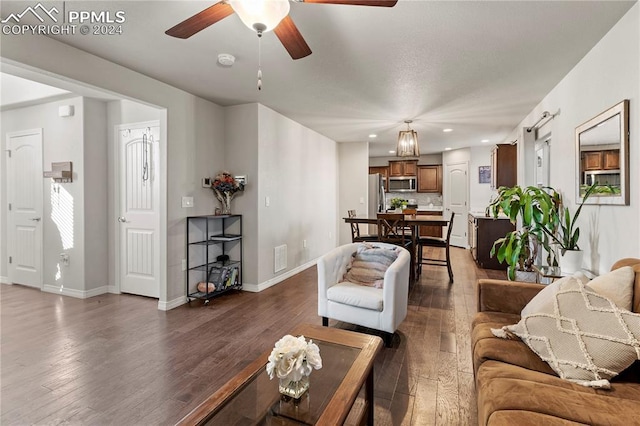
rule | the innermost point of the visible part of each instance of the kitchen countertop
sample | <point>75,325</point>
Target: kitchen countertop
<point>430,208</point>
<point>482,215</point>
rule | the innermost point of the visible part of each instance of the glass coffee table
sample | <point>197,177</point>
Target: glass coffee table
<point>340,392</point>
<point>548,274</point>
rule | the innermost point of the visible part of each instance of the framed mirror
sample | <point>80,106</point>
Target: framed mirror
<point>602,144</point>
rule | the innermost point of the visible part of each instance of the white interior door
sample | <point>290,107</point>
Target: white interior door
<point>456,186</point>
<point>24,191</point>
<point>541,166</point>
<point>139,220</point>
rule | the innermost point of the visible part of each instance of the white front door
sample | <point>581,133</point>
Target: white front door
<point>139,220</point>
<point>456,185</point>
<point>24,193</point>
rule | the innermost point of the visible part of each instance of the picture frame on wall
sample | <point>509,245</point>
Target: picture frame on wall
<point>484,174</point>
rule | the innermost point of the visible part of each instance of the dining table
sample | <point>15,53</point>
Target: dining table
<point>414,222</point>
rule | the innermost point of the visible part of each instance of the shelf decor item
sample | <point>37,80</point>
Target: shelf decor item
<point>225,187</point>
<point>292,360</point>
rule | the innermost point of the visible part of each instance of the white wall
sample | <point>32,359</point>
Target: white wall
<point>66,228</point>
<point>94,145</point>
<point>479,193</point>
<point>353,175</point>
<point>608,74</point>
<point>296,168</point>
<point>241,158</point>
<point>192,124</point>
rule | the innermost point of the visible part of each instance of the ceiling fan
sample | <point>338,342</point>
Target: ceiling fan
<point>262,16</point>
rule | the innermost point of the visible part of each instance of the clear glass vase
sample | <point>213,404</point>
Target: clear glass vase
<point>226,203</point>
<point>294,389</point>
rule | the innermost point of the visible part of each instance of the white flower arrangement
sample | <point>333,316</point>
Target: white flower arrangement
<point>293,358</point>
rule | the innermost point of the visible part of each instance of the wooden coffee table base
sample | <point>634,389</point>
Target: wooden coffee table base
<point>335,393</point>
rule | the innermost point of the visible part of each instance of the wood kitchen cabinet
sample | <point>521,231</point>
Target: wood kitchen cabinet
<point>504,166</point>
<point>430,179</point>
<point>601,160</point>
<point>611,159</point>
<point>384,171</point>
<point>430,231</point>
<point>403,168</point>
<point>592,160</point>
<point>483,232</point>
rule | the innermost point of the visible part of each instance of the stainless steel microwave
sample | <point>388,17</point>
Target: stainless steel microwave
<point>403,184</point>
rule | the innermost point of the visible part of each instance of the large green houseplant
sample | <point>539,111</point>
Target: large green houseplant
<point>567,233</point>
<point>537,210</point>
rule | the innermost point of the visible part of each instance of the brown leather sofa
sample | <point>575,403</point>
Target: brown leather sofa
<point>515,387</point>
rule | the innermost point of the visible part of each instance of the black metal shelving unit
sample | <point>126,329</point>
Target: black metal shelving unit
<point>210,239</point>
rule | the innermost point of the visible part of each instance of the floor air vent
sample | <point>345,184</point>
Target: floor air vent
<point>280,258</point>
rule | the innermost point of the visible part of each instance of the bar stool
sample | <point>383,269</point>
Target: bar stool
<point>440,243</point>
<point>356,237</point>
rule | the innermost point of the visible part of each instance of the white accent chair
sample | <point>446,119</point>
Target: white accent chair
<point>377,308</point>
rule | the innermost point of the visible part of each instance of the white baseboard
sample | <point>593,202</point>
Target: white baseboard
<point>255,288</point>
<point>165,306</point>
<point>113,289</point>
<point>80,294</point>
<point>5,280</point>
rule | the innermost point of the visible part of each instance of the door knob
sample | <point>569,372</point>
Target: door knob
<point>122,219</point>
<point>35,219</point>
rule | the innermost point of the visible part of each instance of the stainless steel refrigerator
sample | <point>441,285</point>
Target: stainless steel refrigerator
<point>376,198</point>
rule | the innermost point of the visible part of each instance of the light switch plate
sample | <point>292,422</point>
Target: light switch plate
<point>187,202</point>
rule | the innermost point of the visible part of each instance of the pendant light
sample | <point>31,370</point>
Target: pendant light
<point>408,142</point>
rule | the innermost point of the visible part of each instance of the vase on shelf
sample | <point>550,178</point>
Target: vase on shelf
<point>225,200</point>
<point>294,388</point>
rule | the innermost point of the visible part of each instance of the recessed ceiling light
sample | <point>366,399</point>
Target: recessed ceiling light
<point>484,140</point>
<point>392,152</point>
<point>373,135</point>
<point>447,130</point>
<point>447,149</point>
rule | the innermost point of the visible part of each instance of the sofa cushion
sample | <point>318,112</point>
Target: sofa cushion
<point>485,346</point>
<point>502,386</point>
<point>541,299</point>
<point>526,418</point>
<point>583,336</point>
<point>356,295</point>
<point>369,265</point>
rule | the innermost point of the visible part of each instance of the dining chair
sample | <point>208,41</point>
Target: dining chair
<point>392,229</point>
<point>356,237</point>
<point>425,241</point>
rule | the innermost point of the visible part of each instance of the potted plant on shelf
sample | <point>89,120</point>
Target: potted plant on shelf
<point>536,208</point>
<point>567,234</point>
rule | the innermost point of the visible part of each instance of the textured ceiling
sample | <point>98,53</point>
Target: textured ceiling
<point>476,67</point>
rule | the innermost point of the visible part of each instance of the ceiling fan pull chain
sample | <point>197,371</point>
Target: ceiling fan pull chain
<point>259,60</point>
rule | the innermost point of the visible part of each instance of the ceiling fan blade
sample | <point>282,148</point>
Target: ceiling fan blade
<point>381,3</point>
<point>200,21</point>
<point>291,38</point>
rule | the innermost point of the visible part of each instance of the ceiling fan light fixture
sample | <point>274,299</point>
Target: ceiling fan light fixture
<point>408,142</point>
<point>262,15</point>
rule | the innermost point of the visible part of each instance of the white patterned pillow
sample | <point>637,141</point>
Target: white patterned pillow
<point>583,336</point>
<point>617,285</point>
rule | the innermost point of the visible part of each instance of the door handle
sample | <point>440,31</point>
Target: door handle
<point>122,219</point>
<point>35,219</point>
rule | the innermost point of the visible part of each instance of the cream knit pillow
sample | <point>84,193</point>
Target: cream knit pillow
<point>583,336</point>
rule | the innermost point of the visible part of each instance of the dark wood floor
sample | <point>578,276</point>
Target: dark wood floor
<point>116,359</point>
